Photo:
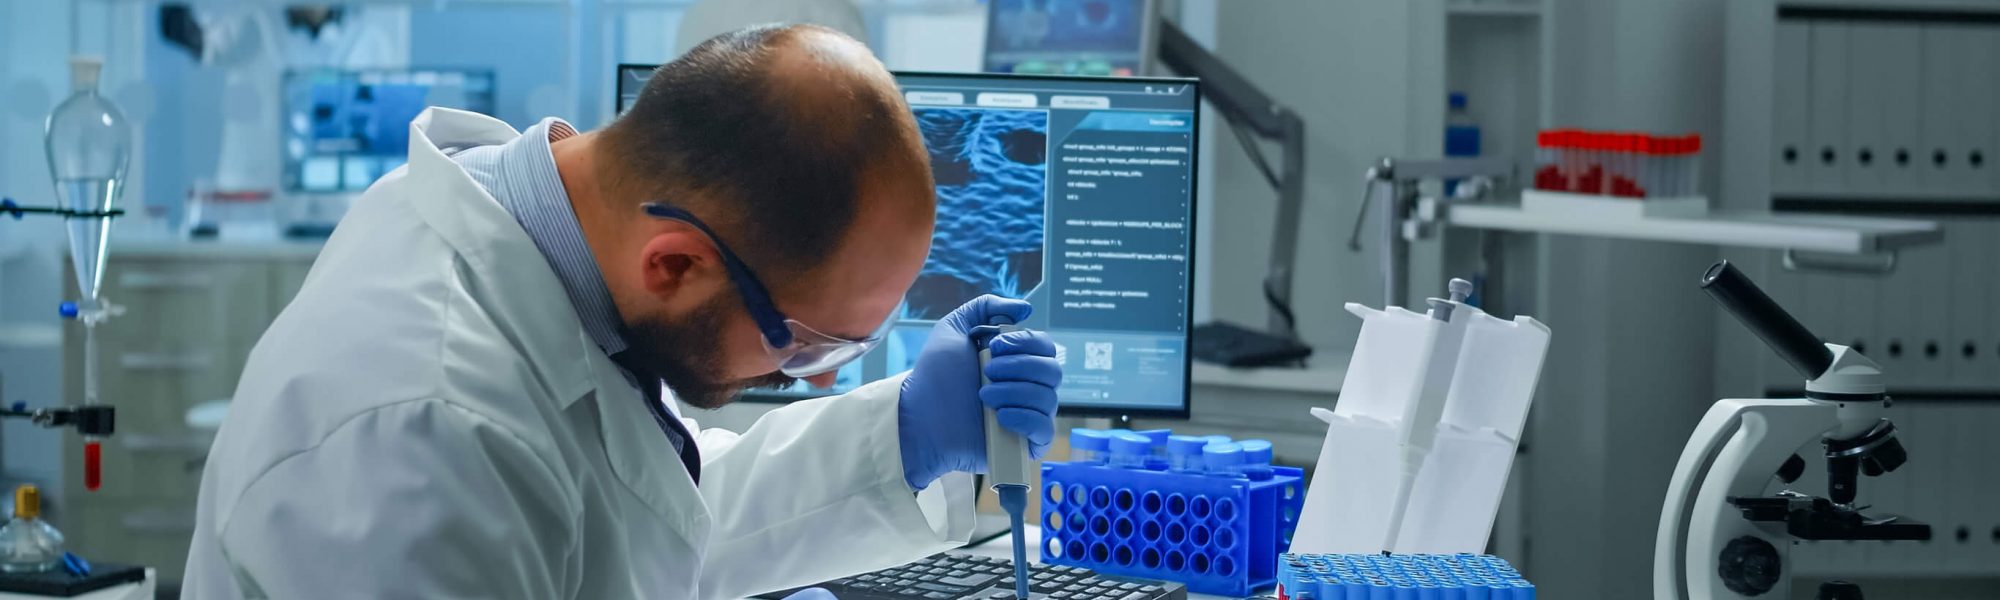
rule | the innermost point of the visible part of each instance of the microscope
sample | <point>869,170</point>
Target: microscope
<point>1720,536</point>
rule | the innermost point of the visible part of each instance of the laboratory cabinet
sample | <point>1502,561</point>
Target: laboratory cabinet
<point>1882,109</point>
<point>192,313</point>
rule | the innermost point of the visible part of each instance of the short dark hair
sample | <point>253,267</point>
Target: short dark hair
<point>775,162</point>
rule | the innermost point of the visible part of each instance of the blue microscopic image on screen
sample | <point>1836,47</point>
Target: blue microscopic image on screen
<point>1068,25</point>
<point>991,169</point>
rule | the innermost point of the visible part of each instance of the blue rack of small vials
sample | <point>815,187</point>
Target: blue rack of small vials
<point>1169,516</point>
<point>1399,577</point>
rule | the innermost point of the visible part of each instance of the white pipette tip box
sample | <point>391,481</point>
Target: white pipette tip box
<point>1446,397</point>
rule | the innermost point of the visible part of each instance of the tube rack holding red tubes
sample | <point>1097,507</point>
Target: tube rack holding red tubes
<point>1625,165</point>
<point>1603,172</point>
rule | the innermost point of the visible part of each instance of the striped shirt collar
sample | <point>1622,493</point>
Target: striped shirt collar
<point>529,186</point>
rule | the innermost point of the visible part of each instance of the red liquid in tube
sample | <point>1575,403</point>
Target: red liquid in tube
<point>93,473</point>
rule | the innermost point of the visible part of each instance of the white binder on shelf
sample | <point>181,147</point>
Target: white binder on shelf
<point>1971,356</point>
<point>1458,383</point>
<point>1829,152</point>
<point>1980,92</point>
<point>1899,80</point>
<point>1898,321</point>
<point>1930,307</point>
<point>1937,140</point>
<point>1868,63</point>
<point>1791,152</point>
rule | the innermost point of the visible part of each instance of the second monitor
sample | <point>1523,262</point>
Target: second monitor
<point>1075,193</point>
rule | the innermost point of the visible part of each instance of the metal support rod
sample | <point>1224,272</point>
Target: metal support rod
<point>1243,104</point>
<point>1395,250</point>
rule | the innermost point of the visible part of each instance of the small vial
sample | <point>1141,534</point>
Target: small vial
<point>1130,450</point>
<point>1088,446</point>
<point>1218,439</point>
<point>1184,454</point>
<point>1158,437</point>
<point>1223,459</point>
<point>1256,453</point>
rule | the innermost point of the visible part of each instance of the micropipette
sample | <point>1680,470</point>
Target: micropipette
<point>1008,465</point>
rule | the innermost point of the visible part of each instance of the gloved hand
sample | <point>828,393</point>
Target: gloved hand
<point>939,416</point>
<point>812,593</point>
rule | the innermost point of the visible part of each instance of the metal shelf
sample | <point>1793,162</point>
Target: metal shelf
<point>1743,229</point>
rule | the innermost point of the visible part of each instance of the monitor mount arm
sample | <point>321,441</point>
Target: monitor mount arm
<point>1251,112</point>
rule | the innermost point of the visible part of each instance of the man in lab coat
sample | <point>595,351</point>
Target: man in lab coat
<point>464,399</point>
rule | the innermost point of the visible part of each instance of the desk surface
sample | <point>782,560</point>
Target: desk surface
<point>1003,547</point>
<point>138,590</point>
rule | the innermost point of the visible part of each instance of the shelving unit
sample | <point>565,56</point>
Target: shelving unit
<point>1741,229</point>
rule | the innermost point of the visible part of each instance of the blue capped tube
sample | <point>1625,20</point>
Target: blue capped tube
<point>1088,446</point>
<point>1130,450</point>
<point>1256,452</point>
<point>1184,454</point>
<point>1222,459</point>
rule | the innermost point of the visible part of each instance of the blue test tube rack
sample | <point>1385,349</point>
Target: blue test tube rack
<point>1399,577</point>
<point>1216,534</point>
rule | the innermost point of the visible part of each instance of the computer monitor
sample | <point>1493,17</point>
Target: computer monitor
<point>344,129</point>
<point>1075,193</point>
<point>1070,37</point>
<point>631,79</point>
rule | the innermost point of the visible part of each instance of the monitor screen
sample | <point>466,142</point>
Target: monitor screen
<point>345,128</point>
<point>631,79</point>
<point>1075,193</point>
<point>1069,37</point>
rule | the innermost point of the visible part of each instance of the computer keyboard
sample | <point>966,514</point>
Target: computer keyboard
<point>964,577</point>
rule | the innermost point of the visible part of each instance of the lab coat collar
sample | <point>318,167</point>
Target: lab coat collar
<point>494,246</point>
<point>498,251</point>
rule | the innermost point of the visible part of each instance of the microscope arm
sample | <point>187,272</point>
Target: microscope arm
<point>1734,452</point>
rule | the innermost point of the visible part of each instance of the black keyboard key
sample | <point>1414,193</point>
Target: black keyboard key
<point>1007,581</point>
<point>968,580</point>
<point>940,596</point>
<point>1129,586</point>
<point>934,587</point>
<point>1150,589</point>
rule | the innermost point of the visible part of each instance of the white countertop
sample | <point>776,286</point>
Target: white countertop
<point>1320,379</point>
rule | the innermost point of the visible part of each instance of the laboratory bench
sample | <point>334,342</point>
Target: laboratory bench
<point>194,309</point>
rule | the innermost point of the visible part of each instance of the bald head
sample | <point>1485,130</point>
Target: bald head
<point>782,138</point>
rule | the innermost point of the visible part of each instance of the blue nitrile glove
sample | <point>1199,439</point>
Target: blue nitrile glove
<point>811,594</point>
<point>939,416</point>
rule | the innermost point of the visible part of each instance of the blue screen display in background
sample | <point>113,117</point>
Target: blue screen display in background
<point>1075,194</point>
<point>1067,37</point>
<point>344,129</point>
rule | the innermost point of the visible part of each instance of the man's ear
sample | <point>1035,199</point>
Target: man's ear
<point>676,259</point>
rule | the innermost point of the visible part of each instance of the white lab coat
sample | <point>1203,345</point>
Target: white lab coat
<point>428,419</point>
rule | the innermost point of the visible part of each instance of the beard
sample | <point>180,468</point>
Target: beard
<point>686,354</point>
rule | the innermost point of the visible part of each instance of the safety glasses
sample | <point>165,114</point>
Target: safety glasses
<point>798,350</point>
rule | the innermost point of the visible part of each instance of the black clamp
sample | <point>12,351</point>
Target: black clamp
<point>9,208</point>
<point>97,420</point>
